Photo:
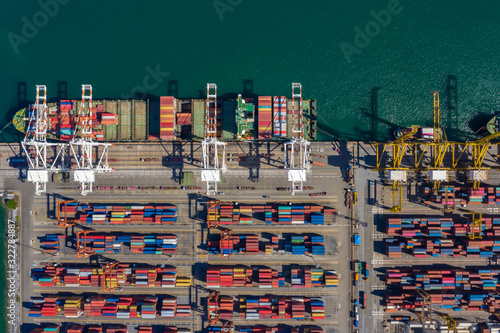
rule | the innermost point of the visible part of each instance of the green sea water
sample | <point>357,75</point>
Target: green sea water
<point>421,47</point>
<point>371,64</point>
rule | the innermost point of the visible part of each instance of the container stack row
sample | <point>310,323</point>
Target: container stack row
<point>313,277</point>
<point>280,117</point>
<point>266,329</point>
<point>441,227</point>
<point>250,244</point>
<point>278,214</point>
<point>418,226</point>
<point>66,127</point>
<point>123,275</point>
<point>167,117</point>
<point>229,277</point>
<point>146,244</point>
<point>453,279</point>
<point>106,306</point>
<point>51,243</point>
<point>441,300</point>
<point>301,245</point>
<point>152,244</point>
<point>298,308</point>
<point>461,196</point>
<point>119,214</point>
<point>421,248</point>
<point>265,118</point>
<point>269,278</point>
<point>111,328</point>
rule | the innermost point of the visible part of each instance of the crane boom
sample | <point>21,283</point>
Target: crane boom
<point>83,145</point>
<point>297,149</point>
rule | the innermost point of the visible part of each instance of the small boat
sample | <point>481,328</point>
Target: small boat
<point>492,125</point>
<point>424,133</point>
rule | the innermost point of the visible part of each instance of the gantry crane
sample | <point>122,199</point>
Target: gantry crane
<point>63,222</point>
<point>107,271</point>
<point>210,167</point>
<point>439,147</point>
<point>476,223</point>
<point>451,323</point>
<point>297,149</point>
<point>426,302</point>
<point>479,149</point>
<point>36,137</point>
<point>227,326</point>
<point>213,313</point>
<point>225,237</point>
<point>396,174</point>
<point>83,144</point>
<point>81,247</point>
<point>213,214</point>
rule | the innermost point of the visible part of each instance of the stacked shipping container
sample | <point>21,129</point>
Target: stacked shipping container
<point>237,276</point>
<point>280,116</point>
<point>461,196</point>
<point>120,214</point>
<point>300,245</point>
<point>421,247</point>
<point>265,118</point>
<point>264,307</point>
<point>452,300</point>
<point>66,127</point>
<point>453,279</point>
<point>104,306</point>
<point>123,275</point>
<point>168,108</point>
<point>146,244</point>
<point>229,277</point>
<point>273,214</point>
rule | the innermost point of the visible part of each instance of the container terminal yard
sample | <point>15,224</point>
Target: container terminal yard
<point>290,235</point>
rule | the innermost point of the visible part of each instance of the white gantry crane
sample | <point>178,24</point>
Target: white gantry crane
<point>297,149</point>
<point>83,144</point>
<point>35,144</point>
<point>210,167</point>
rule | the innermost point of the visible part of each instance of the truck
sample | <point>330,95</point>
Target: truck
<point>17,162</point>
<point>356,278</point>
<point>318,194</point>
<point>356,266</point>
<point>363,302</point>
<point>357,240</point>
<point>367,271</point>
<point>319,150</point>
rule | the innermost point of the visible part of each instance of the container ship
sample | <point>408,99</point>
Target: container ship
<point>492,126</point>
<point>264,118</point>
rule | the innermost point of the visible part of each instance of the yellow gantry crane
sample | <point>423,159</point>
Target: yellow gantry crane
<point>439,146</point>
<point>396,173</point>
<point>476,225</point>
<point>451,323</point>
<point>426,303</point>
<point>479,149</point>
